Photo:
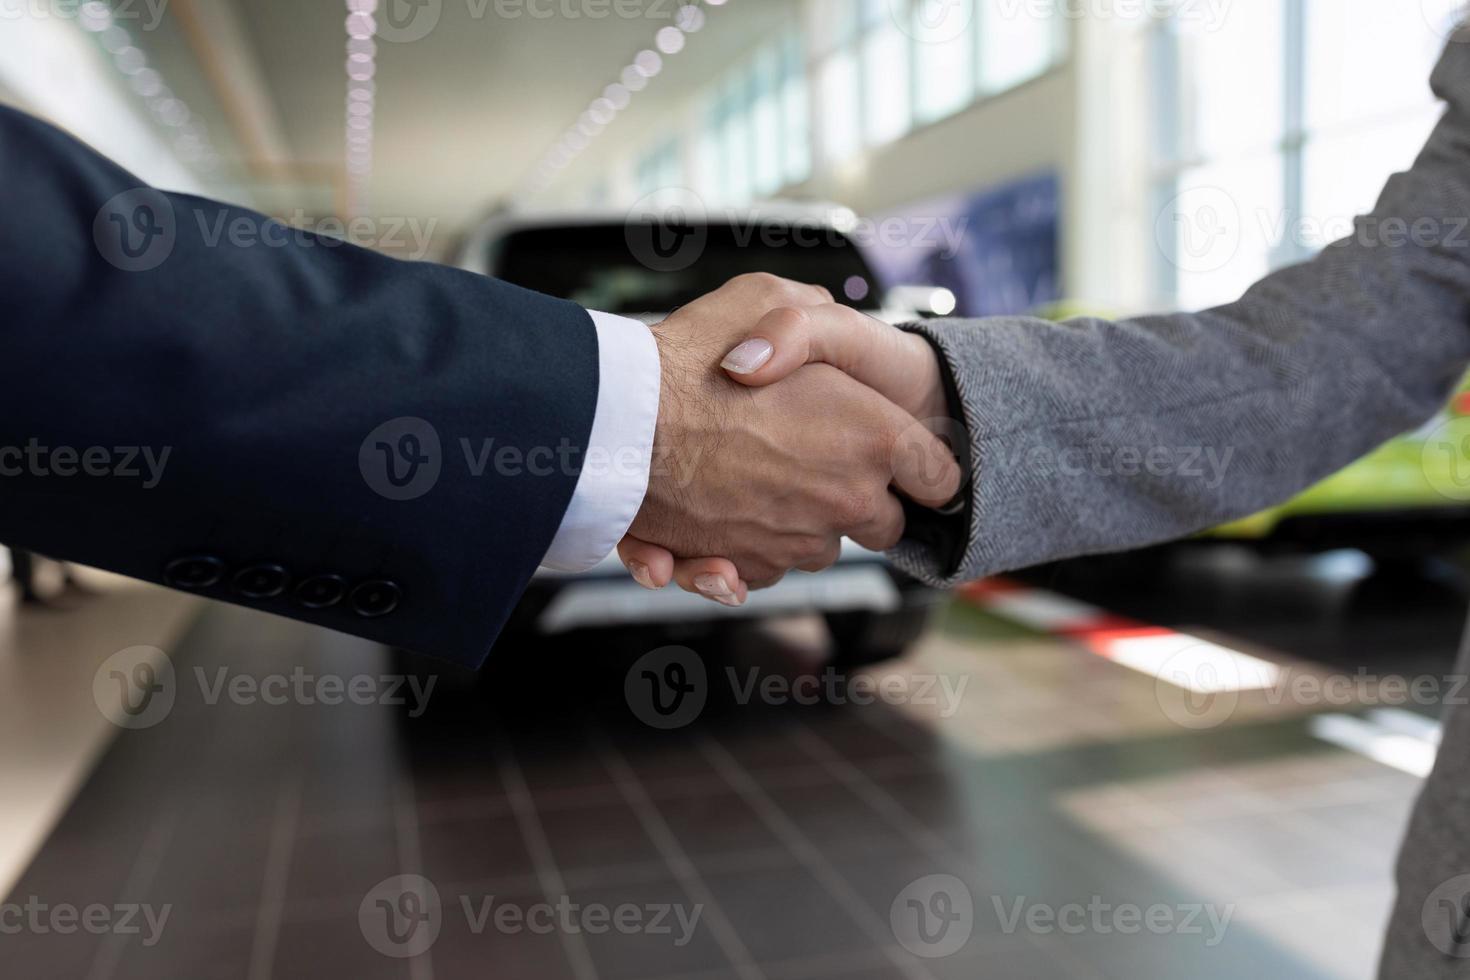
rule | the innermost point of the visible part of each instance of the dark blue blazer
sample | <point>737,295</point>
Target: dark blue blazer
<point>195,395</point>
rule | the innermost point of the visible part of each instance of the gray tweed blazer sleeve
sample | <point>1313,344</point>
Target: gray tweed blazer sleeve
<point>1092,436</point>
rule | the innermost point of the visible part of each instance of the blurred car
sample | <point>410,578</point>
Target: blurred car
<point>646,267</point>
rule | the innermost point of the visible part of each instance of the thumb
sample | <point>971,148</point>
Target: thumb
<point>898,365</point>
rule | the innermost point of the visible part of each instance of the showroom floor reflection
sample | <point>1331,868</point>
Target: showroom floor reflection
<point>1002,804</point>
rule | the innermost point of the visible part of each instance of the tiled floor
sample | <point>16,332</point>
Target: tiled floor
<point>1083,835</point>
<point>50,729</point>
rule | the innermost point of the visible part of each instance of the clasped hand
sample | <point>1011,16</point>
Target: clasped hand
<point>770,477</point>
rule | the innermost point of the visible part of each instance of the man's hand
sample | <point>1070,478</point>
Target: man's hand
<point>898,365</point>
<point>771,477</point>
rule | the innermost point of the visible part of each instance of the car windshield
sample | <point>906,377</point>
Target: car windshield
<point>644,268</point>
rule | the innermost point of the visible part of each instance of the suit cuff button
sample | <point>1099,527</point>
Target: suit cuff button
<point>321,591</point>
<point>260,581</point>
<point>194,572</point>
<point>375,598</point>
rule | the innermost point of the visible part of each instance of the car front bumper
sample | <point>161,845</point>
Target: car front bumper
<point>607,596</point>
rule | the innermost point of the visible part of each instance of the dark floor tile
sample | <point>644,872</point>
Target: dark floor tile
<point>211,872</point>
<point>442,788</point>
<point>758,748</point>
<point>47,955</point>
<point>715,823</point>
<point>663,932</point>
<point>785,913</point>
<point>79,870</point>
<point>474,849</point>
<point>190,953</point>
<point>340,864</point>
<point>331,947</point>
<point>664,758</point>
<point>554,763</point>
<point>595,836</point>
<point>835,818</point>
<point>861,743</point>
<point>473,944</point>
<point>354,781</point>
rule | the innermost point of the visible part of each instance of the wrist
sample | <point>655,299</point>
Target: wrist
<point>668,471</point>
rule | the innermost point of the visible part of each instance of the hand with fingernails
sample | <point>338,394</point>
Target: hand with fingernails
<point>791,344</point>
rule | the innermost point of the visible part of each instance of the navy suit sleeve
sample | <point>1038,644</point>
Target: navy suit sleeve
<point>196,395</point>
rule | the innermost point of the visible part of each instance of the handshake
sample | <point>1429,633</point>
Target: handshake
<point>751,478</point>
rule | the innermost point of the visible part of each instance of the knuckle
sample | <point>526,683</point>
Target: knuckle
<point>883,441</point>
<point>785,320</point>
<point>757,570</point>
<point>808,546</point>
<point>826,559</point>
<point>855,509</point>
<point>802,549</point>
<point>761,282</point>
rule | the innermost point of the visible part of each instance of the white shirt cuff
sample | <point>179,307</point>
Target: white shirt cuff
<point>619,453</point>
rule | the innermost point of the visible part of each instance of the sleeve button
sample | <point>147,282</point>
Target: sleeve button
<point>194,572</point>
<point>377,597</point>
<point>321,591</point>
<point>265,581</point>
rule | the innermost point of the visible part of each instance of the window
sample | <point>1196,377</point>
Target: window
<point>886,92</point>
<point>1015,45</point>
<point>765,122</point>
<point>735,139</point>
<point>755,134</point>
<point>832,27</point>
<point>795,112</point>
<point>658,169</point>
<point>837,94</point>
<point>1261,167</point>
<point>944,53</point>
<point>855,75</point>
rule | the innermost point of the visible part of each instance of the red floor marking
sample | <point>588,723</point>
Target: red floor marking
<point>1097,635</point>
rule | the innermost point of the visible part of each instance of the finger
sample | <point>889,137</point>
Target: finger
<point>767,582</point>
<point>885,530</point>
<point>713,578</point>
<point>924,468</point>
<point>898,364</point>
<point>650,565</point>
<point>826,559</point>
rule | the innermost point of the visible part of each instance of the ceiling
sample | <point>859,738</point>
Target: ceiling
<point>463,113</point>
